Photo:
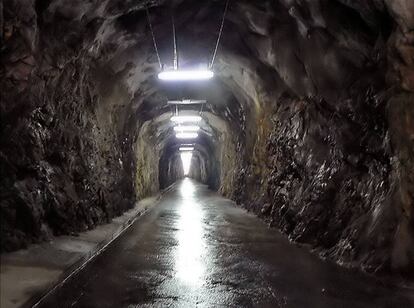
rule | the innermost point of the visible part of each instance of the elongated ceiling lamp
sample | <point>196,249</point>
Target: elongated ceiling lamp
<point>177,75</point>
<point>185,149</point>
<point>185,75</point>
<point>187,128</point>
<point>189,131</point>
<point>186,135</point>
<point>188,102</point>
<point>184,119</point>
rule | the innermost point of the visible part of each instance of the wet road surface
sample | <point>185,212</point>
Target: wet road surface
<point>196,249</point>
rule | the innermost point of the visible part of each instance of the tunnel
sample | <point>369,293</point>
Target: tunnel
<point>307,123</point>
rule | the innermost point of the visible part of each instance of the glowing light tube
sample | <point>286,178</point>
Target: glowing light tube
<point>187,128</point>
<point>186,135</point>
<point>186,160</point>
<point>186,149</point>
<point>185,75</point>
<point>182,119</point>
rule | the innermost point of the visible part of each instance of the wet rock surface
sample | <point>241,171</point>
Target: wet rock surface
<point>326,163</point>
<point>62,170</point>
<point>331,180</point>
<point>308,121</point>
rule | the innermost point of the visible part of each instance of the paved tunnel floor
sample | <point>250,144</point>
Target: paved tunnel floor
<point>196,249</point>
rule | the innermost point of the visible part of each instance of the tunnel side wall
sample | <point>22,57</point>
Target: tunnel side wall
<point>170,169</point>
<point>64,168</point>
<point>147,159</point>
<point>333,169</point>
<point>333,181</point>
<point>66,161</point>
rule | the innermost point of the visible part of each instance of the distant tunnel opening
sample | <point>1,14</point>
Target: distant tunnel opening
<point>203,164</point>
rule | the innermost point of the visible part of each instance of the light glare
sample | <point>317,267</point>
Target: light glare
<point>191,254</point>
<point>186,135</point>
<point>182,119</point>
<point>186,160</point>
<point>183,149</point>
<point>185,75</point>
<point>187,128</point>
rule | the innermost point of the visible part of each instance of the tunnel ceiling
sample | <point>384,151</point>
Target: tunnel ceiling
<point>307,121</point>
<point>303,48</point>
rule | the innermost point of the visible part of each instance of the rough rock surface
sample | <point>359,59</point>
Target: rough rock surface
<point>308,121</point>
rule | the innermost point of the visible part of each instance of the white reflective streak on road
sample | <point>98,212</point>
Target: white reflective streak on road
<point>191,252</point>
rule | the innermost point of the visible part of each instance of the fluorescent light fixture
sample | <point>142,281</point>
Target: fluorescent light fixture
<point>186,149</point>
<point>182,119</point>
<point>178,75</point>
<point>186,160</point>
<point>188,102</point>
<point>187,128</point>
<point>186,135</point>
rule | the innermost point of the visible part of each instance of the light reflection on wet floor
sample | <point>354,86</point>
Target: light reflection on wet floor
<point>196,249</point>
<point>191,252</point>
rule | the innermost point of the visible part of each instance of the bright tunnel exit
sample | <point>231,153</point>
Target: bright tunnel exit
<point>186,160</point>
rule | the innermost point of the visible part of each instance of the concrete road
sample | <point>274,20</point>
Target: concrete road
<point>196,249</point>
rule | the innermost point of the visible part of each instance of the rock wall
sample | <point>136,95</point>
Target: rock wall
<point>65,161</point>
<point>330,163</point>
<point>330,176</point>
<point>62,170</point>
<point>170,169</point>
<point>147,161</point>
<point>400,112</point>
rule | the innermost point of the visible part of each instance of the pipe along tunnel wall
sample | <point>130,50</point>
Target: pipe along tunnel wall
<point>308,121</point>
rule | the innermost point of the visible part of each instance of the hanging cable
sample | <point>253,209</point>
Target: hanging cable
<point>219,35</point>
<point>153,36</point>
<point>175,44</point>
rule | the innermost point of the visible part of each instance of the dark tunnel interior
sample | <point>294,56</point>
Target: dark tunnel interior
<point>308,121</point>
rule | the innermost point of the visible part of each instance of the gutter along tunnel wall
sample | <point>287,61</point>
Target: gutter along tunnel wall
<point>308,121</point>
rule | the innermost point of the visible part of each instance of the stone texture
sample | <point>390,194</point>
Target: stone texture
<point>308,121</point>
